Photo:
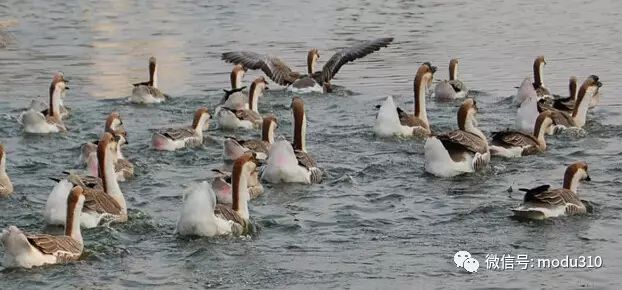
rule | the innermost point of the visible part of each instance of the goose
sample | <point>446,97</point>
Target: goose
<point>452,88</point>
<point>232,118</point>
<point>460,151</point>
<point>577,119</point>
<point>290,163</point>
<point>313,81</point>
<point>64,111</point>
<point>202,216</point>
<point>538,84</point>
<point>515,144</point>
<point>123,167</point>
<point>234,148</point>
<point>528,111</point>
<point>392,120</point>
<point>36,122</point>
<point>29,250</point>
<point>542,202</point>
<point>173,139</point>
<point>6,187</point>
<point>236,98</point>
<point>147,92</point>
<point>221,184</point>
<point>567,104</point>
<point>102,205</point>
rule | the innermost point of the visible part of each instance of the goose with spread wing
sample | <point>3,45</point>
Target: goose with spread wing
<point>313,81</point>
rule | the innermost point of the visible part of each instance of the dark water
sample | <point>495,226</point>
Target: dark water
<point>378,221</point>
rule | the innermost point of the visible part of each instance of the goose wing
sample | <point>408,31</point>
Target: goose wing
<point>60,246</point>
<point>360,50</point>
<point>514,139</point>
<point>276,69</point>
<point>463,140</point>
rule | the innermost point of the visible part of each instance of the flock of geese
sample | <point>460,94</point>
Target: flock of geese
<point>220,207</point>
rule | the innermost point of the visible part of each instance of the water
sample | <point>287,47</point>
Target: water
<point>378,220</point>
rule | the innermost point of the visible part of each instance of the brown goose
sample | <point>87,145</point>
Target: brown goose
<point>538,84</point>
<point>147,92</point>
<point>515,143</point>
<point>234,148</point>
<point>577,119</point>
<point>452,88</point>
<point>123,167</point>
<point>177,138</point>
<point>29,250</point>
<point>460,151</point>
<point>313,81</point>
<point>543,202</point>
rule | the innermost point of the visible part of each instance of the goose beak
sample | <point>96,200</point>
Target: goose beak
<point>588,178</point>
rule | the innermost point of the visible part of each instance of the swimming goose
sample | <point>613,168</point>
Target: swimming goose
<point>313,81</point>
<point>528,111</point>
<point>452,88</point>
<point>221,184</point>
<point>6,187</point>
<point>102,205</point>
<point>290,163</point>
<point>148,92</point>
<point>236,98</point>
<point>392,120</point>
<point>173,139</point>
<point>123,167</point>
<point>200,215</point>
<point>460,151</point>
<point>234,148</point>
<point>563,120</point>
<point>232,118</point>
<point>64,111</point>
<point>538,84</point>
<point>543,202</point>
<point>514,143</point>
<point>36,122</point>
<point>29,250</point>
<point>567,104</point>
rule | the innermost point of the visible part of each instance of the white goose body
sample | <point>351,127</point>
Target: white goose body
<point>197,214</point>
<point>468,151</point>
<point>282,165</point>
<point>527,112</point>
<point>27,250</point>
<point>388,122</point>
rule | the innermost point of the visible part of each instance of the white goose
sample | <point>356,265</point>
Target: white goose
<point>452,88</point>
<point>29,250</point>
<point>460,151</point>
<point>515,144</point>
<point>542,202</point>
<point>148,92</point>
<point>201,216</point>
<point>232,118</point>
<point>102,205</point>
<point>6,187</point>
<point>291,163</point>
<point>392,120</point>
<point>527,112</point>
<point>173,139</point>
<point>36,122</point>
<point>123,167</point>
<point>314,81</point>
